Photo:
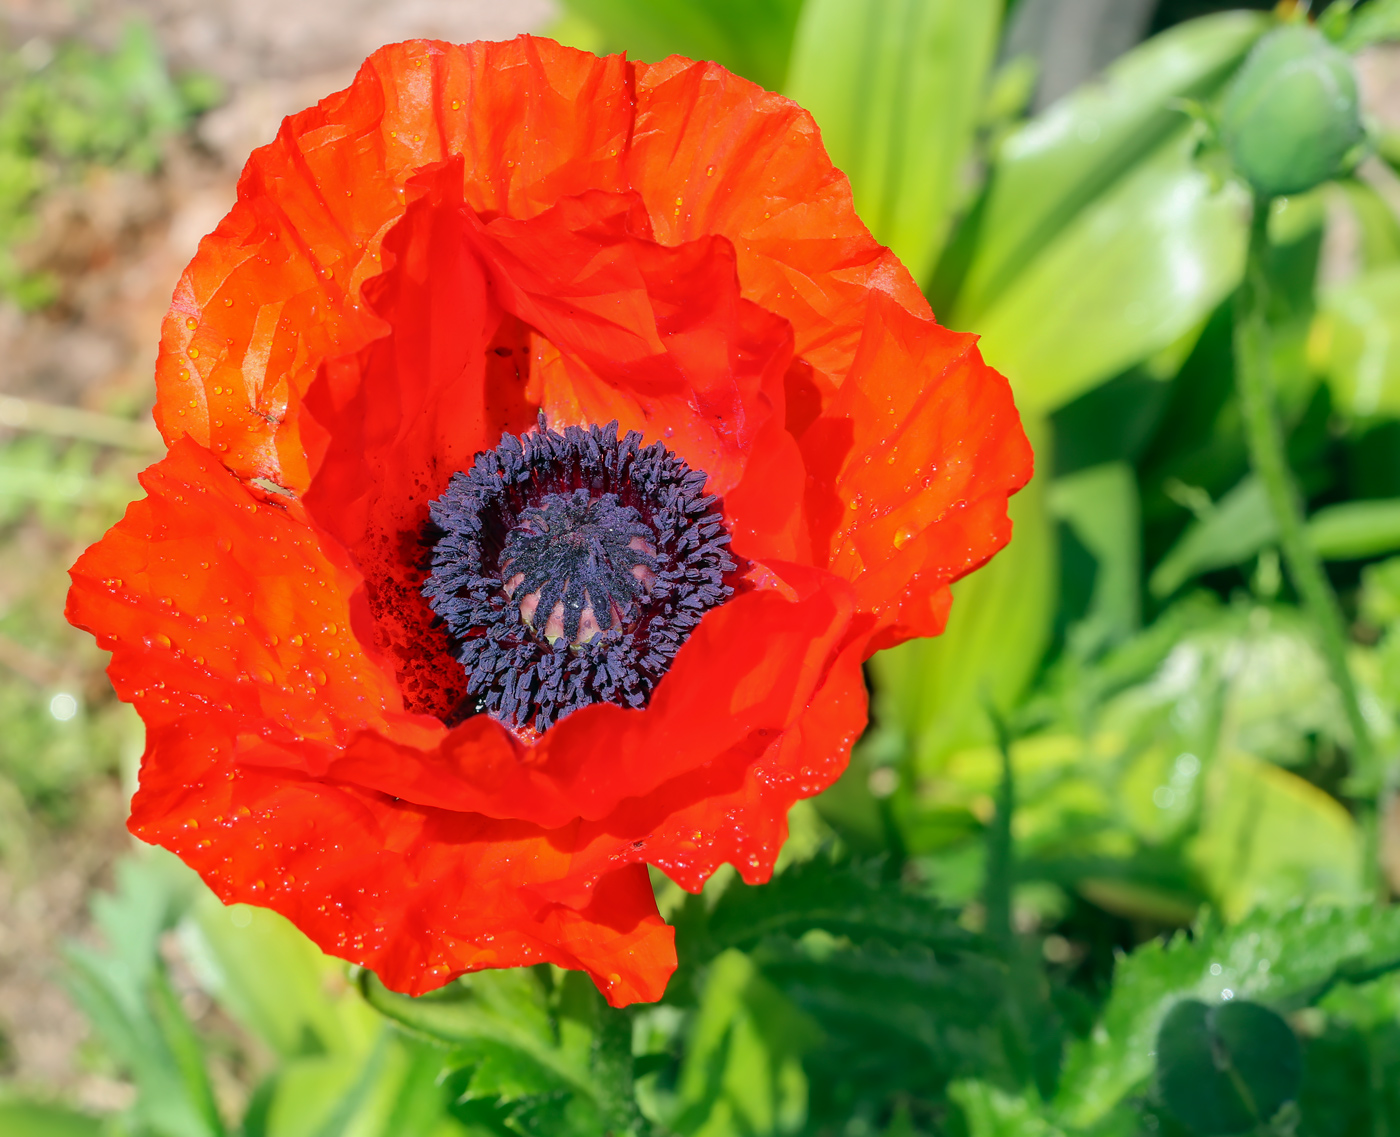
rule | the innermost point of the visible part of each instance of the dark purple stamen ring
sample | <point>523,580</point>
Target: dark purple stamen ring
<point>570,567</point>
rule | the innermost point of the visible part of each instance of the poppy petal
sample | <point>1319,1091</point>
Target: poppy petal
<point>714,153</point>
<point>741,681</point>
<point>910,476</point>
<point>417,894</point>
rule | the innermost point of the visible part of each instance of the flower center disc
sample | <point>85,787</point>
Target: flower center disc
<point>578,564</point>
<point>570,567</point>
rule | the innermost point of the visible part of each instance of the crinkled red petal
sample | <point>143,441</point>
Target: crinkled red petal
<point>908,481</point>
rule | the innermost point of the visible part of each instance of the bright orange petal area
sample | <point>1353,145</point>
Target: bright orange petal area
<point>910,465</point>
<point>219,601</point>
<point>655,338</point>
<point>714,153</point>
<point>273,292</point>
<point>418,894</point>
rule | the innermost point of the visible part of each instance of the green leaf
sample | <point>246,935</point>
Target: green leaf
<point>533,1054</point>
<point>1283,960</point>
<point>1135,269</point>
<point>849,900</point>
<point>1050,170</point>
<point>932,693</point>
<point>127,996</point>
<point>1355,342</point>
<point>1354,530</point>
<point>1228,1068</point>
<point>1380,229</point>
<point>895,1021</point>
<point>1268,836</point>
<point>991,1112</point>
<point>896,87</point>
<point>277,983</point>
<point>742,1070</point>
<point>752,38</point>
<point>1351,1080</point>
<point>1380,593</point>
<point>1375,22</point>
<point>1100,505</point>
<point>32,1119</point>
<point>1242,524</point>
<point>502,1018</point>
<point>1234,530</point>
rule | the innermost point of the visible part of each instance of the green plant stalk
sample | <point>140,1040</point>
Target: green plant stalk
<point>1000,870</point>
<point>1267,453</point>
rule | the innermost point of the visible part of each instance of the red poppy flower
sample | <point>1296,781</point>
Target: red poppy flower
<point>437,681</point>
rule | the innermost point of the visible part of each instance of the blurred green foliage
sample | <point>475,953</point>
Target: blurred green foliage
<point>1105,863</point>
<point>65,109</point>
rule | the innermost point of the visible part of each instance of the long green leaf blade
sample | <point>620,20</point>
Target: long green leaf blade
<point>896,86</point>
<point>1050,170</point>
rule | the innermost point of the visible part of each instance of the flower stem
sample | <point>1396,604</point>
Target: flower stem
<point>1267,453</point>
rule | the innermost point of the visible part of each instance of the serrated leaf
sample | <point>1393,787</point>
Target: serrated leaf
<point>894,1022</point>
<point>1282,960</point>
<point>849,900</point>
<point>896,87</point>
<point>493,1012</point>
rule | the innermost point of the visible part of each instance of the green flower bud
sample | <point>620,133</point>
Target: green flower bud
<point>1291,117</point>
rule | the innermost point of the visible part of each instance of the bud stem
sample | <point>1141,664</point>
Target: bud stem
<point>1268,456</point>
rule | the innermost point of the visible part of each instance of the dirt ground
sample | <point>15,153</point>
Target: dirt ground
<point>117,244</point>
